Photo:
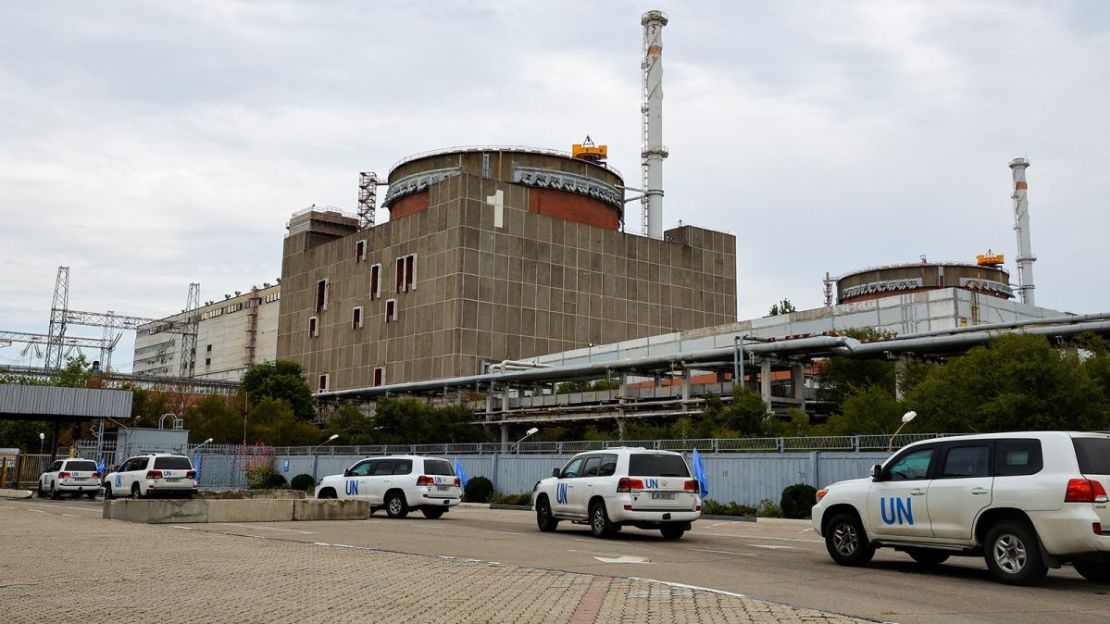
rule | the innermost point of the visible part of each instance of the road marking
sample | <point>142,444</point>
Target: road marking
<point>763,537</point>
<point>262,528</point>
<point>497,531</point>
<point>722,552</point>
<point>85,509</point>
<point>685,586</point>
<point>177,526</point>
<point>773,547</point>
<point>624,559</point>
<point>36,510</point>
<point>68,516</point>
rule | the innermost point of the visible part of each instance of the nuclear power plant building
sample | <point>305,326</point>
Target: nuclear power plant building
<point>490,254</point>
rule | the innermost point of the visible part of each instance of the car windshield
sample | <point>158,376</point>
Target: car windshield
<point>81,465</point>
<point>1093,455</point>
<point>437,467</point>
<point>172,463</point>
<point>661,465</point>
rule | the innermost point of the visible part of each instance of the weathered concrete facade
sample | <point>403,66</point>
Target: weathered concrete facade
<point>484,278</point>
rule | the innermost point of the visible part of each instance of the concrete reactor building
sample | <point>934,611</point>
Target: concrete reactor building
<point>490,254</point>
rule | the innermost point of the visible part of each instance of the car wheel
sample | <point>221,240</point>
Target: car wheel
<point>1014,555</point>
<point>54,494</point>
<point>42,492</point>
<point>599,520</point>
<point>395,506</point>
<point>672,532</point>
<point>326,493</point>
<point>928,557</point>
<point>847,542</point>
<point>108,492</point>
<point>1094,572</point>
<point>136,493</point>
<point>432,513</point>
<point>544,518</point>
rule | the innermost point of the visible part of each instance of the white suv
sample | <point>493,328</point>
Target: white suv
<point>1024,501</point>
<point>618,487</point>
<point>398,484</point>
<point>70,476</point>
<point>148,476</point>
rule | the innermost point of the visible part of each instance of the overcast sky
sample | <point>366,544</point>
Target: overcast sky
<point>147,145</point>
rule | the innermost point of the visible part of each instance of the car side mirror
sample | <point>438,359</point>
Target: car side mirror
<point>555,472</point>
<point>347,472</point>
<point>877,472</point>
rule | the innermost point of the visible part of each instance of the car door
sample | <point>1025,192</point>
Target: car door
<point>121,485</point>
<point>565,487</point>
<point>584,485</point>
<point>355,482</point>
<point>960,489</point>
<point>51,475</point>
<point>897,503</point>
<point>380,479</point>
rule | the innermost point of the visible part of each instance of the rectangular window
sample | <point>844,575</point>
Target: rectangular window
<point>375,282</point>
<point>208,361</point>
<point>323,382</point>
<point>1093,455</point>
<point>379,376</point>
<point>390,310</point>
<point>360,251</point>
<point>410,272</point>
<point>322,295</point>
<point>209,349</point>
<point>356,318</point>
<point>313,327</point>
<point>661,465</point>
<point>966,461</point>
<point>399,275</point>
<point>1017,457</point>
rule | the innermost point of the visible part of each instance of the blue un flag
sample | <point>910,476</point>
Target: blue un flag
<point>100,467</point>
<point>699,472</point>
<point>459,472</point>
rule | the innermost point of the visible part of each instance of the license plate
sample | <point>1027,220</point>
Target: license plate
<point>442,488</point>
<point>662,496</point>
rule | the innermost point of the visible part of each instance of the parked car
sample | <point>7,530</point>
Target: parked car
<point>70,476</point>
<point>397,484</point>
<point>1023,501</point>
<point>620,487</point>
<point>152,475</point>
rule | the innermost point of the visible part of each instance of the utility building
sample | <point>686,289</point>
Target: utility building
<point>490,254</point>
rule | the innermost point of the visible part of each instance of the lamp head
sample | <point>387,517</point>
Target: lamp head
<point>333,436</point>
<point>533,431</point>
<point>908,416</point>
<point>207,441</point>
<point>42,436</point>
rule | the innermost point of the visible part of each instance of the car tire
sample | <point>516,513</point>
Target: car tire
<point>928,556</point>
<point>108,492</point>
<point>1013,554</point>
<point>847,541</point>
<point>1095,572</point>
<point>545,520</point>
<point>42,492</point>
<point>672,532</point>
<point>395,506</point>
<point>136,492</point>
<point>54,493</point>
<point>600,525</point>
<point>432,513</point>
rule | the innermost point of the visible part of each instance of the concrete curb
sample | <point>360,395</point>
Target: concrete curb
<point>16,494</point>
<point>804,521</point>
<point>729,518</point>
<point>245,510</point>
<point>516,507</point>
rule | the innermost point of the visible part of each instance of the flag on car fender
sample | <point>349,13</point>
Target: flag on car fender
<point>699,472</point>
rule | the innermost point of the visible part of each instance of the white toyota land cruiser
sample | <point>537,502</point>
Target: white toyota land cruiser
<point>617,487</point>
<point>1024,501</point>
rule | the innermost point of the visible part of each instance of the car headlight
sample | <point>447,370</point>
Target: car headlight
<point>821,494</point>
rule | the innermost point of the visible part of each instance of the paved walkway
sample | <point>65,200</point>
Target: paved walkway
<point>55,567</point>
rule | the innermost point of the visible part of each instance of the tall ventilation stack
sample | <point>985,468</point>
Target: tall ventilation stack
<point>1025,257</point>
<point>653,151</point>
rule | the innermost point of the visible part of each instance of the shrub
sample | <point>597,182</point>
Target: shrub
<point>798,500</point>
<point>478,490</point>
<point>275,480</point>
<point>768,509</point>
<point>303,482</point>
<point>712,507</point>
<point>259,476</point>
<point>512,499</point>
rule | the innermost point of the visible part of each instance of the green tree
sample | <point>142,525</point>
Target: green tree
<point>869,410</point>
<point>782,307</point>
<point>214,417</point>
<point>282,380</point>
<point>412,421</point>
<point>1016,382</point>
<point>271,421</point>
<point>353,426</point>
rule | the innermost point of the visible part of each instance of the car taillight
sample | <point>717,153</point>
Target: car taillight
<point>96,475</point>
<point>458,482</point>
<point>821,494</point>
<point>691,485</point>
<point>64,475</point>
<point>192,474</point>
<point>153,474</point>
<point>1085,491</point>
<point>1097,528</point>
<point>627,485</point>
<point>425,480</point>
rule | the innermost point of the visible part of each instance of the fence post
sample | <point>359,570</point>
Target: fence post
<point>855,442</point>
<point>559,448</point>
<point>782,445</point>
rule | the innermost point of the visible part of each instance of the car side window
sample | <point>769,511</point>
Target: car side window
<point>1014,458</point>
<point>911,466</point>
<point>129,465</point>
<point>361,469</point>
<point>402,467</point>
<point>55,467</point>
<point>571,469</point>
<point>592,466</point>
<point>608,465</point>
<point>383,467</point>
<point>966,461</point>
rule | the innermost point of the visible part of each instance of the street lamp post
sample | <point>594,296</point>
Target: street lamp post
<point>531,432</point>
<point>316,458</point>
<point>906,418</point>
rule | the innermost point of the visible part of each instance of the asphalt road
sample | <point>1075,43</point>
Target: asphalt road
<point>780,561</point>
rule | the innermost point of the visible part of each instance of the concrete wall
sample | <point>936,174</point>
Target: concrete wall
<point>745,478</point>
